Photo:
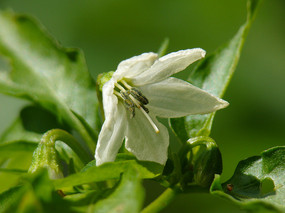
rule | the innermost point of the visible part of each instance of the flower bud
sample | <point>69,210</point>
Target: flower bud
<point>207,164</point>
<point>45,156</point>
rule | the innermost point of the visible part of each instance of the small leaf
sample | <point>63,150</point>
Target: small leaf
<point>111,170</point>
<point>47,74</point>
<point>213,74</point>
<point>127,198</point>
<point>258,183</point>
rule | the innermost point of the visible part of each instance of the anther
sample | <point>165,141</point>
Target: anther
<point>134,98</point>
<point>129,104</point>
<point>142,108</point>
<point>145,109</point>
<point>138,95</point>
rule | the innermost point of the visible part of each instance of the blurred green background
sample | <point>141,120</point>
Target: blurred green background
<point>112,30</point>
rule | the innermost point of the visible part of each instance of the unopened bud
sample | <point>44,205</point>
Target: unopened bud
<point>207,164</point>
<point>45,156</point>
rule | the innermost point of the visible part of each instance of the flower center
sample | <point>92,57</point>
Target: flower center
<point>133,98</point>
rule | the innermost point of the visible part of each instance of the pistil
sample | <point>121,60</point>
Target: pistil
<point>150,121</point>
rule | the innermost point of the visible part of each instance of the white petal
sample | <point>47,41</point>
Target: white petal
<point>111,136</point>
<point>143,142</point>
<point>176,98</point>
<point>110,101</point>
<point>169,65</point>
<point>134,66</point>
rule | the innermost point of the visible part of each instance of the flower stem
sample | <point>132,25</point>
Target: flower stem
<point>50,137</point>
<point>162,201</point>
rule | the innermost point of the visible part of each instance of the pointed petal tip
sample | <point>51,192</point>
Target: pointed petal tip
<point>222,104</point>
<point>195,51</point>
<point>203,53</point>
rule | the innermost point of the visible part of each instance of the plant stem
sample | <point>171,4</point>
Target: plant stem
<point>50,137</point>
<point>162,201</point>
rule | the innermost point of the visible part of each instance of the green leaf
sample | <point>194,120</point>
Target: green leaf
<point>31,124</point>
<point>14,156</point>
<point>9,198</point>
<point>13,148</point>
<point>36,194</point>
<point>111,170</point>
<point>258,183</point>
<point>48,74</point>
<point>213,74</point>
<point>127,198</point>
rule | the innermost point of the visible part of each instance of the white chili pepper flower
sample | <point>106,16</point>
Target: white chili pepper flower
<point>141,89</point>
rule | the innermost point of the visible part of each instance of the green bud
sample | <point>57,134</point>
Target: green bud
<point>45,156</point>
<point>207,164</point>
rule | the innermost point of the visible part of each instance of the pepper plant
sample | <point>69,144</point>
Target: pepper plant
<point>47,156</point>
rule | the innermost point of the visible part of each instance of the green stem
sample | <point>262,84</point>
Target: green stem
<point>162,201</point>
<point>50,137</point>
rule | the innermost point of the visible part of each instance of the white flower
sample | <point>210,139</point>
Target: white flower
<point>141,89</point>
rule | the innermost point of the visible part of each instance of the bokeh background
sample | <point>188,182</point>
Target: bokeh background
<point>112,30</point>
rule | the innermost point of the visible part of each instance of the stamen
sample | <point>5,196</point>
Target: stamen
<point>126,84</point>
<point>129,104</point>
<point>145,114</point>
<point>133,97</point>
<point>118,94</point>
<point>135,101</point>
<point>138,95</point>
<point>120,87</point>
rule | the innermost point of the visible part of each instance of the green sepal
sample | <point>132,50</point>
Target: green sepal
<point>103,78</point>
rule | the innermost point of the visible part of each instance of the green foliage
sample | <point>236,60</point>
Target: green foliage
<point>128,197</point>
<point>213,74</point>
<point>92,173</point>
<point>46,73</point>
<point>20,140</point>
<point>258,183</point>
<point>35,194</point>
<point>31,124</point>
